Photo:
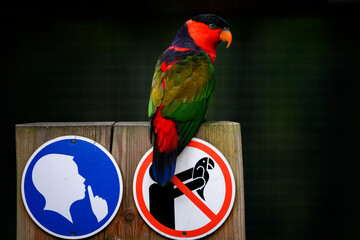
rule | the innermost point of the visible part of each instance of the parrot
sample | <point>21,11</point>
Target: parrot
<point>181,89</point>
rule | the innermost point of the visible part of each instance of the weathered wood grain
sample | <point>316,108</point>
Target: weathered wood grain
<point>130,142</point>
<point>226,137</point>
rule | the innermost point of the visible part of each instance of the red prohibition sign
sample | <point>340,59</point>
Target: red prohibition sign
<point>216,219</point>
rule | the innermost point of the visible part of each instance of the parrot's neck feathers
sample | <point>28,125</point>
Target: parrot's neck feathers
<point>183,39</point>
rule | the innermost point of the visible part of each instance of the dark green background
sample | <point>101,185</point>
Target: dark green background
<point>290,78</point>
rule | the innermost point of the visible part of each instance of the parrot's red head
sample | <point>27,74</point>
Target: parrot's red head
<point>205,31</point>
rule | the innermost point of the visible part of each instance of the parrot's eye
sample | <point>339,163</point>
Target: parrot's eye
<point>211,26</point>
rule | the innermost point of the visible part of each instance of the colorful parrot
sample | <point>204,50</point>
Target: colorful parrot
<point>182,85</point>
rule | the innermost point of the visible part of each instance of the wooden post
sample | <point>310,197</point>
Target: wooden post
<point>128,142</point>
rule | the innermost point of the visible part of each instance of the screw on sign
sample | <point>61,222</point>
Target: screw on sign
<point>196,202</point>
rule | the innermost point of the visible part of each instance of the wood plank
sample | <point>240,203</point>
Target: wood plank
<point>131,141</point>
<point>31,136</point>
<point>226,137</point>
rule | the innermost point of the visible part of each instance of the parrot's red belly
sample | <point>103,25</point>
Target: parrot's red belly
<point>166,134</point>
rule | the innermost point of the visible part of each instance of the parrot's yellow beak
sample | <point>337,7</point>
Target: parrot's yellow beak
<point>226,36</point>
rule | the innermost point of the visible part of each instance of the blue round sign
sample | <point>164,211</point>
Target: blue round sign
<point>72,187</point>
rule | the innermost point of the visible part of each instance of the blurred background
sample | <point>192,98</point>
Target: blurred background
<point>290,78</point>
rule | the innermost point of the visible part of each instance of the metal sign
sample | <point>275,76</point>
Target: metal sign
<point>72,187</point>
<point>196,202</point>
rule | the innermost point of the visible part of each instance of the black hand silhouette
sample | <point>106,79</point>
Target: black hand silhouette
<point>161,199</point>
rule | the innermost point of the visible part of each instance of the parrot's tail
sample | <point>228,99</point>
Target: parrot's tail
<point>163,167</point>
<point>165,148</point>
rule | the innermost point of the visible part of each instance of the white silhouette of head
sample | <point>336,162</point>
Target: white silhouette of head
<point>57,178</point>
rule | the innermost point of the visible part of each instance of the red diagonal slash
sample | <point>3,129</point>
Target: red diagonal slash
<point>207,211</point>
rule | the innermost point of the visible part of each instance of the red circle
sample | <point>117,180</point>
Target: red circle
<point>191,233</point>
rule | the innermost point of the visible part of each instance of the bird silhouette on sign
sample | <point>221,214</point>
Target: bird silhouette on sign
<point>201,170</point>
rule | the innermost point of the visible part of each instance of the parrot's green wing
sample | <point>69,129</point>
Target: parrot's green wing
<point>188,87</point>
<point>157,90</point>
